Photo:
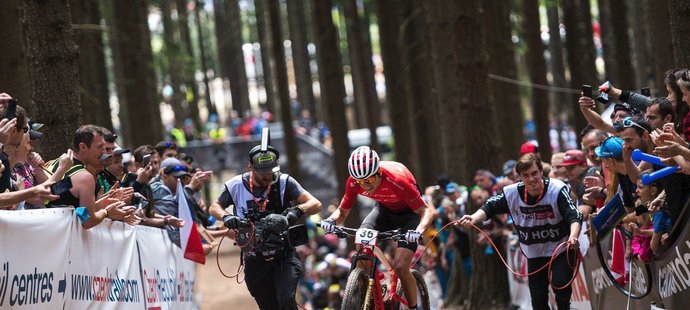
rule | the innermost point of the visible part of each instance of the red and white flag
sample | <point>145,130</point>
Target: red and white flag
<point>618,261</point>
<point>189,235</point>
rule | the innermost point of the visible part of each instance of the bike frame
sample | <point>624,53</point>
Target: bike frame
<point>375,256</point>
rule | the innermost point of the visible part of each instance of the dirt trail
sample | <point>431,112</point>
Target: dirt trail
<point>217,292</point>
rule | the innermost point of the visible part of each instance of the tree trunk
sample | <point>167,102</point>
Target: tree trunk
<point>616,42</point>
<point>192,88</point>
<point>460,69</point>
<point>643,69</point>
<point>362,71</point>
<point>333,92</point>
<point>53,71</point>
<point>137,91</point>
<point>680,32</point>
<point>95,99</point>
<point>266,66</point>
<point>239,85</point>
<point>659,30</point>
<point>557,68</point>
<point>537,74</point>
<point>14,79</point>
<point>174,54</point>
<point>210,107</point>
<point>389,17</point>
<point>300,57</point>
<point>581,53</point>
<point>283,90</point>
<point>505,97</point>
<point>421,116</point>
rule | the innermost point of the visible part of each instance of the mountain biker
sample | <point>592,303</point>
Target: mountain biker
<point>399,206</point>
<point>544,216</point>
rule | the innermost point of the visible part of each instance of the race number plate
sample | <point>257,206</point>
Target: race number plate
<point>366,236</point>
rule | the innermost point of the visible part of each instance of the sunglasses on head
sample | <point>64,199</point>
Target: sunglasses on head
<point>368,180</point>
<point>686,76</point>
<point>170,145</point>
<point>627,123</point>
<point>175,168</point>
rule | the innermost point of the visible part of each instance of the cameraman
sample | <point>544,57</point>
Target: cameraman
<point>271,275</point>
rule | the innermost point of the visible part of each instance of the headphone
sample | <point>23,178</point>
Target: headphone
<point>257,149</point>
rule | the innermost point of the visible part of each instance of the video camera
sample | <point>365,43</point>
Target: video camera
<point>270,232</point>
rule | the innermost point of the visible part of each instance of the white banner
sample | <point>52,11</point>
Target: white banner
<point>168,279</point>
<point>104,268</point>
<point>48,261</point>
<point>34,248</point>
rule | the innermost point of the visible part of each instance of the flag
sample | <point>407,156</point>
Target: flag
<point>618,261</point>
<point>189,235</point>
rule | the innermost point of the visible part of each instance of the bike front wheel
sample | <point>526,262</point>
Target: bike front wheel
<point>355,290</point>
<point>422,291</point>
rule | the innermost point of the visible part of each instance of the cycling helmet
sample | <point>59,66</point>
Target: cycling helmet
<point>363,163</point>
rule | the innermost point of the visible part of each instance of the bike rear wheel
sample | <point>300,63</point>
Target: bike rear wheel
<point>355,290</point>
<point>422,291</point>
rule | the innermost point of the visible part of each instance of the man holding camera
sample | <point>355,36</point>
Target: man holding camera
<point>261,213</point>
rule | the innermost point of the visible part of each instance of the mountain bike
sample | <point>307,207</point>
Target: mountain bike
<point>365,287</point>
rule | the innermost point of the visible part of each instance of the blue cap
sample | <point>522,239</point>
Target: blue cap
<point>612,147</point>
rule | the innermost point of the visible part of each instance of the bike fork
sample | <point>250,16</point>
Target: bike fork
<point>367,298</point>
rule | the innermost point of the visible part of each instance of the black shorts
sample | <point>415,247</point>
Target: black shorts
<point>381,219</point>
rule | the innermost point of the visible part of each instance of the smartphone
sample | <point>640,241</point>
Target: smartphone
<point>61,186</point>
<point>11,109</point>
<point>146,160</point>
<point>645,91</point>
<point>587,91</point>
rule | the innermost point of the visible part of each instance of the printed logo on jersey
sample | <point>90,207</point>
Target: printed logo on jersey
<point>542,233</point>
<point>539,212</point>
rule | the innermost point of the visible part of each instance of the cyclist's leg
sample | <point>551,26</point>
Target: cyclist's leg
<point>404,254</point>
<point>374,220</point>
<point>285,278</point>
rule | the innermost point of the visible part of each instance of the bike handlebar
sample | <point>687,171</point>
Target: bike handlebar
<point>345,232</point>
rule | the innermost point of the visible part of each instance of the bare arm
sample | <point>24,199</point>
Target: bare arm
<point>309,204</point>
<point>427,214</point>
<point>340,215</point>
<point>217,211</point>
<point>587,106</point>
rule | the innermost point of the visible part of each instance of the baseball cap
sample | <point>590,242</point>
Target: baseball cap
<point>528,147</point>
<point>173,166</point>
<point>264,162</point>
<point>508,167</point>
<point>574,157</point>
<point>612,147</point>
<point>452,187</point>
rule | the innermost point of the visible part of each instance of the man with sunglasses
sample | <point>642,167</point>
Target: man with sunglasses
<point>264,193</point>
<point>399,205</point>
<point>165,193</point>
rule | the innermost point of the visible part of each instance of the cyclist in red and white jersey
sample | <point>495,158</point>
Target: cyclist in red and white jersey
<point>399,205</point>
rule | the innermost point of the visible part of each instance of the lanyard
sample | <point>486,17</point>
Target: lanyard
<point>541,194</point>
<point>264,200</point>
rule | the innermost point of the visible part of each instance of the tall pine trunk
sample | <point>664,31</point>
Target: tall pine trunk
<point>505,96</point>
<point>210,106</point>
<point>659,30</point>
<point>266,65</point>
<point>537,74</point>
<point>53,71</point>
<point>333,92</point>
<point>460,69</point>
<point>136,80</point>
<point>389,17</point>
<point>557,68</point>
<point>362,71</point>
<point>642,68</point>
<point>191,87</point>
<point>174,54</point>
<point>14,79</point>
<point>680,32</point>
<point>581,53</point>
<point>282,85</point>
<point>239,85</point>
<point>421,116</point>
<point>300,57</point>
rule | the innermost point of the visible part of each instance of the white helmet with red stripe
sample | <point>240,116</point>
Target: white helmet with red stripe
<point>363,163</point>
